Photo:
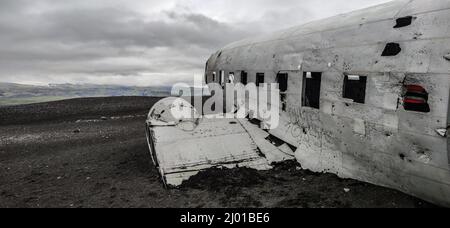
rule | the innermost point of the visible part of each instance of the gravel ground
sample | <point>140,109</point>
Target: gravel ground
<point>93,153</point>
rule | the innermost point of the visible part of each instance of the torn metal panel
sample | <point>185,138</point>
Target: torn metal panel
<point>181,148</point>
<point>180,154</point>
<point>272,153</point>
<point>442,132</point>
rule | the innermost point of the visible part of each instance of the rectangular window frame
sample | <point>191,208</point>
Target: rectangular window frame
<point>351,81</point>
<point>283,89</point>
<point>258,81</point>
<point>244,77</point>
<point>310,88</point>
<point>221,77</point>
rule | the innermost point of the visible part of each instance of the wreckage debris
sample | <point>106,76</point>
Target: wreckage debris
<point>183,145</point>
<point>442,132</point>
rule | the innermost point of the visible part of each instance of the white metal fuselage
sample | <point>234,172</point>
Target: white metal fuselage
<point>375,140</point>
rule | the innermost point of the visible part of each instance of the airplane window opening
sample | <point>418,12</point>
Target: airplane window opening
<point>222,77</point>
<point>231,77</point>
<point>244,77</point>
<point>259,79</point>
<point>311,89</point>
<point>391,49</point>
<point>282,80</point>
<point>416,99</point>
<point>355,88</point>
<point>404,21</point>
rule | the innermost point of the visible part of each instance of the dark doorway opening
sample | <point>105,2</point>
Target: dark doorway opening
<point>259,79</point>
<point>282,80</point>
<point>311,89</point>
<point>355,88</point>
<point>244,78</point>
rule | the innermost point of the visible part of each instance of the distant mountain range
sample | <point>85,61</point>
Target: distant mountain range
<point>15,94</point>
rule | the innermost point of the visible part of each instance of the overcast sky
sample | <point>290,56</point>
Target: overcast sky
<point>137,42</point>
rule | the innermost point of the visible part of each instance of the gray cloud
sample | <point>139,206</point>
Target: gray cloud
<point>118,41</point>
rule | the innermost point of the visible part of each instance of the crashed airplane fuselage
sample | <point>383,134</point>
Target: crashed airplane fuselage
<point>388,125</point>
<point>367,93</point>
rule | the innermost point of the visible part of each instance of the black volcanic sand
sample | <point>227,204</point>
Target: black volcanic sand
<point>64,154</point>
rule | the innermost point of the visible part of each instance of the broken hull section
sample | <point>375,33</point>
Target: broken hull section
<point>213,142</point>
